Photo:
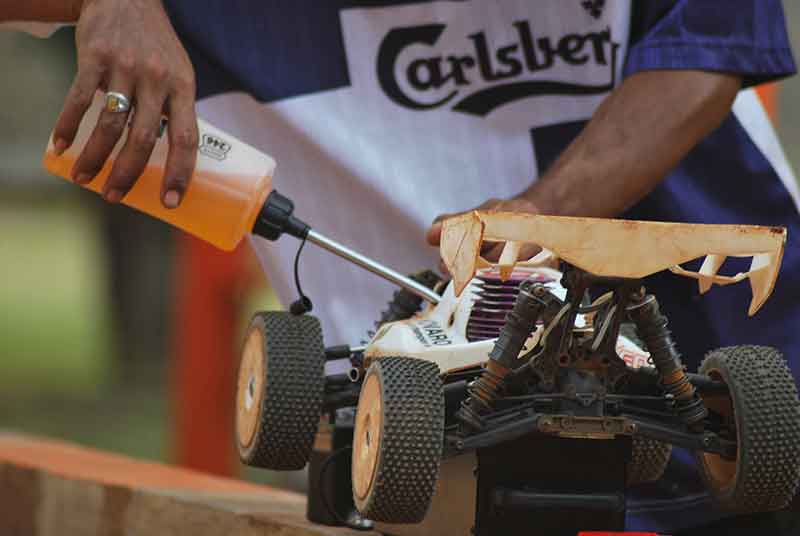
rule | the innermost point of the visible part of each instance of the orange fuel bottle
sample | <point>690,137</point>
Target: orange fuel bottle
<point>230,195</point>
<point>230,184</point>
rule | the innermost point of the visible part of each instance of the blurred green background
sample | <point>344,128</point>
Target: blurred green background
<point>69,367</point>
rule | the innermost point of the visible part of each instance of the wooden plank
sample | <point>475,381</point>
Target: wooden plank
<point>452,511</point>
<point>56,488</point>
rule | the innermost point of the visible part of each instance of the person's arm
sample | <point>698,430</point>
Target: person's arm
<point>130,47</point>
<point>636,136</point>
<point>682,71</point>
<point>40,10</point>
<point>640,132</point>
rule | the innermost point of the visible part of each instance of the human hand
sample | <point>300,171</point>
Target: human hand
<point>129,46</point>
<point>491,250</point>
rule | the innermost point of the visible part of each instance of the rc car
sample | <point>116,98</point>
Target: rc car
<point>568,343</point>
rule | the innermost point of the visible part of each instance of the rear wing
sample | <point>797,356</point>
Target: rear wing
<point>616,248</point>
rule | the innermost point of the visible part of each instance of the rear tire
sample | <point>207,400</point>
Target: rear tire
<point>281,383</point>
<point>398,440</point>
<point>764,409</point>
<point>649,459</point>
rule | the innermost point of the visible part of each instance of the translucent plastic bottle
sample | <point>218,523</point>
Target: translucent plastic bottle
<point>227,191</point>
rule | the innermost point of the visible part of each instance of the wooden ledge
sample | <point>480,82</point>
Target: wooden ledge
<point>51,487</point>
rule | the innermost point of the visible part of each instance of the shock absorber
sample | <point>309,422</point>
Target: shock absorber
<point>651,326</point>
<point>520,323</point>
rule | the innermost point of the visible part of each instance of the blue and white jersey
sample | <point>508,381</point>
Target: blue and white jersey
<point>383,114</point>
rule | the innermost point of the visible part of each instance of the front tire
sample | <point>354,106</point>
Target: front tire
<point>398,440</point>
<point>281,384</point>
<point>763,407</point>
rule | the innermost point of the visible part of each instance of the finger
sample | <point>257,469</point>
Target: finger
<point>492,254</point>
<point>441,217</point>
<point>488,246</point>
<point>490,204</point>
<point>528,251</point>
<point>183,141</point>
<point>104,137</point>
<point>132,160</point>
<point>434,234</point>
<point>78,100</point>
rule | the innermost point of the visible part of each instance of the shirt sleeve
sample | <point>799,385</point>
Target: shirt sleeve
<point>746,37</point>
<point>38,29</point>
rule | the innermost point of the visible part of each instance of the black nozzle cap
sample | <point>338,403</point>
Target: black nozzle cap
<point>301,306</point>
<point>276,218</point>
<point>338,352</point>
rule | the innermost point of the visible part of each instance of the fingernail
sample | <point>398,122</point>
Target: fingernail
<point>114,196</point>
<point>172,198</point>
<point>60,146</point>
<point>83,178</point>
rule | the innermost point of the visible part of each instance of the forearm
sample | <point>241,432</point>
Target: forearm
<point>40,10</point>
<point>639,133</point>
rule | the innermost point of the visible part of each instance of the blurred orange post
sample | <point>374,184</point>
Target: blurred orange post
<point>769,97</point>
<point>209,285</point>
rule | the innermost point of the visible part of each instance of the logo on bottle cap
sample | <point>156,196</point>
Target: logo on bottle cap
<point>214,147</point>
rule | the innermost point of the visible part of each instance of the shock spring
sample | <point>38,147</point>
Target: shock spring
<point>520,323</point>
<point>651,326</point>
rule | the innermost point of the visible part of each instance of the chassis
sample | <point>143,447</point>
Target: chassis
<point>518,348</point>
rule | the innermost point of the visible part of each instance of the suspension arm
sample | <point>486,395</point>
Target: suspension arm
<point>702,441</point>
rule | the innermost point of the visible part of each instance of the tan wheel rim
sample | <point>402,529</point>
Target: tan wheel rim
<point>367,436</point>
<point>721,472</point>
<point>250,390</point>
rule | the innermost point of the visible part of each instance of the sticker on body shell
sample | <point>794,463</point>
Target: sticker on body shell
<point>430,333</point>
<point>633,356</point>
